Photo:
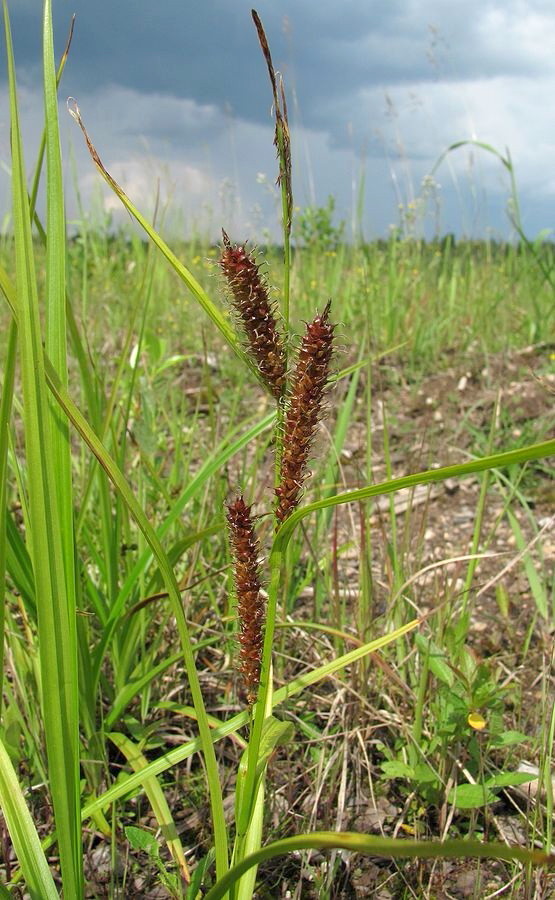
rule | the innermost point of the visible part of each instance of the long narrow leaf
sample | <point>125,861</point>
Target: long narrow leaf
<point>60,460</point>
<point>23,833</point>
<point>47,544</point>
<point>5,412</point>
<point>459,470</point>
<point>395,848</point>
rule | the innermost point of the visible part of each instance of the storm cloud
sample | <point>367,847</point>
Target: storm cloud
<point>177,94</point>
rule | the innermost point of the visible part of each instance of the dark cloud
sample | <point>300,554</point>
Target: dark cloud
<point>328,50</point>
<point>393,81</point>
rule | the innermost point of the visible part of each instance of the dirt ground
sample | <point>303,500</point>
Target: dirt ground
<point>442,420</point>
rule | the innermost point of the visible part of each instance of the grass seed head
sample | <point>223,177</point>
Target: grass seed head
<point>304,410</point>
<point>251,300</point>
<point>250,605</point>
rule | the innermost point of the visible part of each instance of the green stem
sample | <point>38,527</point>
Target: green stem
<point>260,712</point>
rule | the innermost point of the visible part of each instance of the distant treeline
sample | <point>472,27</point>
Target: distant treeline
<point>447,242</point>
<point>491,248</point>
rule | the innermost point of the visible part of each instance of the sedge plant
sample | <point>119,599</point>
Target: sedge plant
<point>71,671</point>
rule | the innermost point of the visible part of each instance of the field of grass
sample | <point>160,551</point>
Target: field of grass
<point>397,740</point>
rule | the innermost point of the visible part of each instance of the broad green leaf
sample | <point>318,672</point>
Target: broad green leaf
<point>508,738</point>
<point>396,769</point>
<point>470,796</point>
<point>424,774</point>
<point>141,839</point>
<point>436,659</point>
<point>509,779</point>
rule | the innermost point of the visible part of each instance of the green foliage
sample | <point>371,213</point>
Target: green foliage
<point>146,843</point>
<point>464,699</point>
<point>315,229</point>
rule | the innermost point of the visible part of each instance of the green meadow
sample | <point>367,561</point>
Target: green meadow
<point>397,741</point>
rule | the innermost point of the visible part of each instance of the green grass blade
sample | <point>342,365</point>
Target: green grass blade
<point>392,848</point>
<point>123,699</point>
<point>119,482</point>
<point>537,585</point>
<point>23,834</point>
<point>226,450</point>
<point>479,516</point>
<point>5,413</point>
<point>339,436</point>
<point>42,147</point>
<point>55,338</point>
<point>55,613</point>
<point>19,565</point>
<point>460,470</point>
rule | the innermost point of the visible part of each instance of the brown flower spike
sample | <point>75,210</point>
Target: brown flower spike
<point>250,605</point>
<point>250,298</point>
<point>304,410</point>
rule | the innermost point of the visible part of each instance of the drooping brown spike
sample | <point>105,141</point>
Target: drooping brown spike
<point>304,410</point>
<point>251,300</point>
<point>250,605</point>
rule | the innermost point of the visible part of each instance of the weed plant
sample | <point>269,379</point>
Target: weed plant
<point>154,480</point>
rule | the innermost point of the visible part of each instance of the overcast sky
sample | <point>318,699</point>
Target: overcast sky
<point>176,93</point>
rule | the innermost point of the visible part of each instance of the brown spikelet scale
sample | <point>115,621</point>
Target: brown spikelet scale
<point>250,605</point>
<point>304,410</point>
<point>250,299</point>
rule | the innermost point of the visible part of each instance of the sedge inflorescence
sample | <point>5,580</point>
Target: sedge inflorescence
<point>302,412</point>
<point>250,605</point>
<point>304,409</point>
<point>251,300</point>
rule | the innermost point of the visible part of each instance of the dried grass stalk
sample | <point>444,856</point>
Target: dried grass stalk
<point>250,605</point>
<point>251,300</point>
<point>304,410</point>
